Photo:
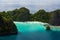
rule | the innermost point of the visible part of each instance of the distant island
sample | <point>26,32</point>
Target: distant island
<point>23,14</point>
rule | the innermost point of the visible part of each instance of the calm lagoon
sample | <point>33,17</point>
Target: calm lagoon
<point>32,31</point>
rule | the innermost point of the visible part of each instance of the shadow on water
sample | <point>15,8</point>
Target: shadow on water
<point>39,35</point>
<point>8,37</point>
<point>32,32</point>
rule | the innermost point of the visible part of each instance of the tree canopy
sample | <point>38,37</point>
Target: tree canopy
<point>23,14</point>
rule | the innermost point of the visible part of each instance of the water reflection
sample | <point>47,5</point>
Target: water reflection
<point>9,37</point>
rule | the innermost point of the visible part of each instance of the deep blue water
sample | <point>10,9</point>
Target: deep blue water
<point>32,31</point>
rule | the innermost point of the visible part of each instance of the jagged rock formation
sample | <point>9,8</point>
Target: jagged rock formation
<point>55,18</point>
<point>7,26</point>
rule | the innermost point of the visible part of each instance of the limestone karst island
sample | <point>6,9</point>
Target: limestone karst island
<point>9,19</point>
<point>29,19</point>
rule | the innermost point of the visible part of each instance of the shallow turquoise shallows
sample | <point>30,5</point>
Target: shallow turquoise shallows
<point>33,31</point>
<point>29,26</point>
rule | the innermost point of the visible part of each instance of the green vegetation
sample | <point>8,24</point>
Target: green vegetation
<point>7,27</point>
<point>23,14</point>
<point>41,15</point>
<point>55,18</point>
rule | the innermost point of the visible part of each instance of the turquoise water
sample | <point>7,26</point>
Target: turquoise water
<point>29,26</point>
<point>32,31</point>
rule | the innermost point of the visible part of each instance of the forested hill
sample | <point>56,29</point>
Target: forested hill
<point>23,14</point>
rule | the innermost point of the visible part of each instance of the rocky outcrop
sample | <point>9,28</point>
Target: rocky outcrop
<point>7,26</point>
<point>55,18</point>
<point>48,28</point>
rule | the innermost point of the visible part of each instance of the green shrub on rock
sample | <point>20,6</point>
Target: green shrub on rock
<point>7,26</point>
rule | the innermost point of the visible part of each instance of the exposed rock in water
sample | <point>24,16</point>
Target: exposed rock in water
<point>7,27</point>
<point>48,28</point>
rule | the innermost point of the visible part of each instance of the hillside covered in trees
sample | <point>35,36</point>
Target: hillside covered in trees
<point>7,27</point>
<point>23,14</point>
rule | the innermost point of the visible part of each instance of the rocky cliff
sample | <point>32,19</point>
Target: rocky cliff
<point>55,18</point>
<point>7,26</point>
